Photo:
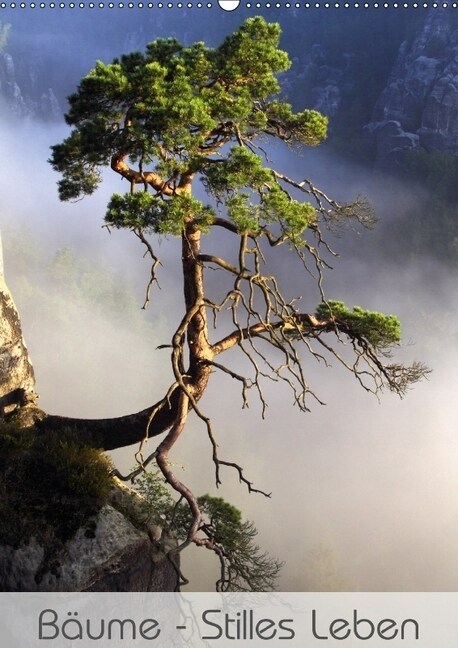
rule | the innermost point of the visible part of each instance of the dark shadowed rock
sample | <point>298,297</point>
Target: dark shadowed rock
<point>421,96</point>
<point>321,83</point>
<point>391,142</point>
<point>113,552</point>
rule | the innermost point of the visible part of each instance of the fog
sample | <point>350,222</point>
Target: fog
<point>364,492</point>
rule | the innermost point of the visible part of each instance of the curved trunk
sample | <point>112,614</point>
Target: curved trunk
<point>112,433</point>
<point>109,434</point>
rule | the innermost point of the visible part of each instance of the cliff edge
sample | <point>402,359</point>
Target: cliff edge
<point>65,523</point>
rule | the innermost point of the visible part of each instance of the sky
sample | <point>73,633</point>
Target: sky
<point>364,492</point>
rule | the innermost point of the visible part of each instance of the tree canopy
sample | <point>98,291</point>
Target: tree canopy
<point>179,118</point>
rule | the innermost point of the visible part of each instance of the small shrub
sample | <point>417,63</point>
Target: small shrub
<point>244,566</point>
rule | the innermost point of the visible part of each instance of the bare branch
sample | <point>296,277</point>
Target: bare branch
<point>246,382</point>
<point>243,479</point>
<point>331,210</point>
<point>149,250</point>
<point>222,263</point>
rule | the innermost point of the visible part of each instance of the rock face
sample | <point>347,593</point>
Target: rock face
<point>109,554</point>
<point>323,83</point>
<point>116,550</point>
<point>16,372</point>
<point>25,100</point>
<point>419,105</point>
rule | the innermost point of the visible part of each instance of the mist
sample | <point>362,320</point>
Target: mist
<point>364,492</point>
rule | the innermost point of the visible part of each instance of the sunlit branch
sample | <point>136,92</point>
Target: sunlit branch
<point>222,263</point>
<point>263,232</point>
<point>246,382</point>
<point>310,321</point>
<point>162,186</point>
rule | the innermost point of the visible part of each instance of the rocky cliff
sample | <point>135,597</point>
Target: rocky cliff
<point>114,551</point>
<point>389,82</point>
<point>419,105</point>
<point>17,378</point>
<point>319,81</point>
<point>26,98</point>
<point>342,66</point>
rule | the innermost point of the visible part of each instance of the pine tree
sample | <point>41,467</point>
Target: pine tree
<point>180,117</point>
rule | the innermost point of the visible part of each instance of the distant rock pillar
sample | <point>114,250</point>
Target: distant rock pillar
<point>17,378</point>
<point>1,257</point>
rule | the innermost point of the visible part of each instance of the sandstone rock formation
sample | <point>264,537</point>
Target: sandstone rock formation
<point>321,83</point>
<point>17,378</point>
<point>419,105</point>
<point>114,552</point>
<point>28,101</point>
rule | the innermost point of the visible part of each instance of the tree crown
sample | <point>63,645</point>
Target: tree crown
<point>182,111</point>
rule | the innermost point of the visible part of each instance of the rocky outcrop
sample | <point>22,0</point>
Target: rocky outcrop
<point>9,87</point>
<point>391,142</point>
<point>419,105</point>
<point>25,100</point>
<point>321,83</point>
<point>17,378</point>
<point>115,551</point>
<point>326,82</point>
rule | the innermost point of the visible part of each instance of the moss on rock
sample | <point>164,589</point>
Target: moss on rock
<point>50,485</point>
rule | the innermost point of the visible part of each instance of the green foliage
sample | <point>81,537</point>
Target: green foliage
<point>241,168</point>
<point>294,216</point>
<point>249,59</point>
<point>381,331</point>
<point>274,206</point>
<point>166,101</point>
<point>248,568</point>
<point>185,111</point>
<point>262,200</point>
<point>308,127</point>
<point>81,176</point>
<point>50,485</point>
<point>243,213</point>
<point>158,501</point>
<point>225,519</point>
<point>142,210</point>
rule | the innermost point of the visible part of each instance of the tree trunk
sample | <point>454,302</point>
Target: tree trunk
<point>112,433</point>
<point>198,344</point>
